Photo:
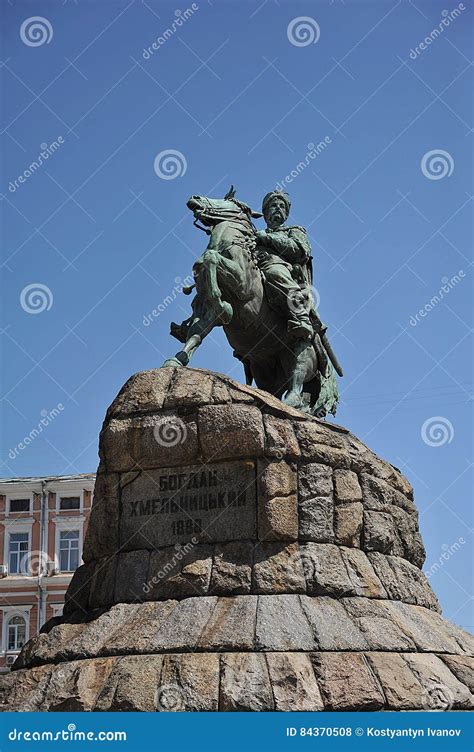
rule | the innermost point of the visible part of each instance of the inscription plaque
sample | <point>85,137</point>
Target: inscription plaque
<point>211,503</point>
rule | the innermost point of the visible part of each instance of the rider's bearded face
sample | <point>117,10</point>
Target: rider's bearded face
<point>276,213</point>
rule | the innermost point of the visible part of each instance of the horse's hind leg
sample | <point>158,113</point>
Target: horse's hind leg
<point>300,367</point>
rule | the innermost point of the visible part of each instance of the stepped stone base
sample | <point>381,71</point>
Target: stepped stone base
<point>243,556</point>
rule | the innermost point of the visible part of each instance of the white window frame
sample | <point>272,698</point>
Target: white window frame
<point>16,528</point>
<point>58,609</point>
<point>66,492</point>
<point>70,549</point>
<point>70,524</point>
<point>8,613</point>
<point>14,497</point>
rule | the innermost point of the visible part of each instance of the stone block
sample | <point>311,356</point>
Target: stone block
<point>348,519</point>
<point>180,571</point>
<point>143,392</point>
<point>77,594</point>
<point>282,625</point>
<point>379,494</point>
<point>380,534</point>
<point>312,432</point>
<point>325,570</point>
<point>131,685</point>
<point>293,683</point>
<point>278,519</point>
<point>443,691</point>
<point>281,438</point>
<point>462,666</point>
<point>373,620</point>
<point>346,682</point>
<point>403,581</point>
<point>102,538</point>
<point>231,431</point>
<point>182,628</point>
<point>275,479</point>
<point>137,632</point>
<point>245,683</point>
<point>314,480</point>
<point>189,387</point>
<point>278,569</point>
<point>361,574</point>
<point>316,520</point>
<point>101,594</point>
<point>231,625</point>
<point>189,682</point>
<point>91,639</point>
<point>132,575</point>
<point>426,629</point>
<point>332,627</point>
<point>149,441</point>
<point>400,685</point>
<point>232,568</point>
<point>346,486</point>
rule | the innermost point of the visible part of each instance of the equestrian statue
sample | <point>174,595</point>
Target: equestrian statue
<point>257,285</point>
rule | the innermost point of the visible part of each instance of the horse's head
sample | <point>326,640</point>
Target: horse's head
<point>211,211</point>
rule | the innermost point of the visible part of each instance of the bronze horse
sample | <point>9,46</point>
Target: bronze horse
<point>230,292</point>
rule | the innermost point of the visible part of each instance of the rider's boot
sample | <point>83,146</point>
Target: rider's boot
<point>299,325</point>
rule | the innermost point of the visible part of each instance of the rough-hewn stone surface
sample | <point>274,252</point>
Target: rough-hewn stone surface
<point>242,556</point>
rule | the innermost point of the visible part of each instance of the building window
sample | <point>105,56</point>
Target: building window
<point>68,550</point>
<point>69,502</point>
<point>57,609</point>
<point>19,505</point>
<point>16,633</point>
<point>18,553</point>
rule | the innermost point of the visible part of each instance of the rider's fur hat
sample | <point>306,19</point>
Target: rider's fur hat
<point>273,194</point>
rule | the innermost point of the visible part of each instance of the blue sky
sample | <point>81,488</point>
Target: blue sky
<point>106,237</point>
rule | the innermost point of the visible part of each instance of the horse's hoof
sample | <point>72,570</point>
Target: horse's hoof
<point>173,363</point>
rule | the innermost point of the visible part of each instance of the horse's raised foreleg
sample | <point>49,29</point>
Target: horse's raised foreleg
<point>208,308</point>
